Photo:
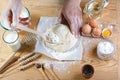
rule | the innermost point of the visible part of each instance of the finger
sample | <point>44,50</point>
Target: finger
<point>16,10</point>
<point>78,30</point>
<point>65,20</point>
<point>70,22</point>
<point>79,25</point>
<point>24,19</point>
<point>59,19</point>
<point>80,19</point>
<point>10,16</point>
<point>59,16</point>
<point>18,30</point>
<point>80,22</point>
<point>15,20</point>
<point>72,29</point>
<point>76,26</point>
<point>25,23</point>
<point>7,23</point>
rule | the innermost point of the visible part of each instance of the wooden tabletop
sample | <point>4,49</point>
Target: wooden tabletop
<point>69,70</point>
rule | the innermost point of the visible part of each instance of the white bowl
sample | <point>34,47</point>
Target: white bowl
<point>24,14</point>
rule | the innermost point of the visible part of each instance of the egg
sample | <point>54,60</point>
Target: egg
<point>96,32</point>
<point>86,29</point>
<point>93,23</point>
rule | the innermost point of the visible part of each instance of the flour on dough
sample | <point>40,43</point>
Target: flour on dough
<point>60,38</point>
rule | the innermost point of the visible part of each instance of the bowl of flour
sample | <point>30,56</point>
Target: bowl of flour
<point>105,49</point>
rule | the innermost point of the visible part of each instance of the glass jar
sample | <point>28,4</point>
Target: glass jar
<point>94,7</point>
<point>11,38</point>
<point>105,49</point>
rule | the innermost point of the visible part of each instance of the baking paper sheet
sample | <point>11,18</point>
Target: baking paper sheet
<point>74,54</point>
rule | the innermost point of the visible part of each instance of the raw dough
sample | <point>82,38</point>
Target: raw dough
<point>60,38</point>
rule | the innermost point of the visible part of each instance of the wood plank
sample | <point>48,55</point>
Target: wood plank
<point>104,70</point>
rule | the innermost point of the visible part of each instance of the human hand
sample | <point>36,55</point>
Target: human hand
<point>72,14</point>
<point>12,14</point>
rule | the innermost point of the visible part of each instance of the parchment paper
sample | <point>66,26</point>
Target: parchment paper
<point>73,54</point>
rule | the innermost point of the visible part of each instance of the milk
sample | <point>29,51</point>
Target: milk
<point>12,41</point>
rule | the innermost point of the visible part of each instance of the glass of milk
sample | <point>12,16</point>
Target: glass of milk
<point>11,38</point>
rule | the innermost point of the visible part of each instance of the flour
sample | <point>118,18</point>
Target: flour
<point>52,38</point>
<point>105,50</point>
<point>58,65</point>
<point>106,47</point>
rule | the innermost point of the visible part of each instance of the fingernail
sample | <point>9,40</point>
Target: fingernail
<point>74,34</point>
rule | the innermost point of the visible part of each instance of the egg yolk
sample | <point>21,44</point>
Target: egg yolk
<point>106,33</point>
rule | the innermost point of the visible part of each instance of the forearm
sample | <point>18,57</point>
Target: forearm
<point>15,6</point>
<point>76,2</point>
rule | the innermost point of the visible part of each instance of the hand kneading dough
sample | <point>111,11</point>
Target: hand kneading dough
<point>61,37</point>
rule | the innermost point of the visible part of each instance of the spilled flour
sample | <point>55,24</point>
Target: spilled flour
<point>90,43</point>
<point>58,65</point>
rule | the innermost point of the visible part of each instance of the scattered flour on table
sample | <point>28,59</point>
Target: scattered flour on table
<point>58,65</point>
<point>89,43</point>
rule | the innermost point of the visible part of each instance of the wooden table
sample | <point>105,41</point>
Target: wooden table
<point>104,70</point>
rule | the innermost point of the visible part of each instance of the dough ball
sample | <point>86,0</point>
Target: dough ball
<point>65,40</point>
